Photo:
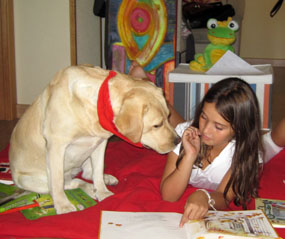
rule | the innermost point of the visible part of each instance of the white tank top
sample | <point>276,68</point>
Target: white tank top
<point>212,175</point>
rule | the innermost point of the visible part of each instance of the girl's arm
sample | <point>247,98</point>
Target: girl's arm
<point>278,133</point>
<point>136,70</point>
<point>175,118</point>
<point>197,204</point>
<point>175,179</point>
<point>220,202</point>
<point>274,142</point>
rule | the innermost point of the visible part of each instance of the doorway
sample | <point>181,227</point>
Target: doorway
<point>9,109</point>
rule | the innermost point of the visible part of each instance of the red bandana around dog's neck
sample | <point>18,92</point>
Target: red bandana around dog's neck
<point>105,111</point>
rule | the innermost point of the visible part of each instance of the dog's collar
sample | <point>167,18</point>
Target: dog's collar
<point>105,110</point>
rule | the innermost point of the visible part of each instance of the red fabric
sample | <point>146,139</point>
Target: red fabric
<point>139,172</point>
<point>105,111</point>
<point>4,163</point>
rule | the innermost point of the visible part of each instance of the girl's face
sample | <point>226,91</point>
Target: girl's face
<point>215,130</point>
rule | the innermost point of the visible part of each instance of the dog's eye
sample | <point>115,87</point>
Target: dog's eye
<point>158,125</point>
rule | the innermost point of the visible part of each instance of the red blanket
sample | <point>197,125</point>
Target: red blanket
<point>139,172</point>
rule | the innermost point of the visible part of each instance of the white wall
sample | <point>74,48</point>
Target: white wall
<point>42,44</point>
<point>42,39</point>
<point>88,34</point>
<point>263,36</point>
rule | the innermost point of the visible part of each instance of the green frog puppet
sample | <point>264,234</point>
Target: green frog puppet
<point>221,35</point>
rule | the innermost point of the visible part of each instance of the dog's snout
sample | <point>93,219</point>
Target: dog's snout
<point>177,140</point>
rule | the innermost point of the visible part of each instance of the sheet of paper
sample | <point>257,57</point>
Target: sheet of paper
<point>140,225</point>
<point>232,64</point>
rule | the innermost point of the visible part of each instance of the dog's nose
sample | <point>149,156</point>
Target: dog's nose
<point>177,140</point>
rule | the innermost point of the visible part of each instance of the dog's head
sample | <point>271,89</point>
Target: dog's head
<point>143,117</point>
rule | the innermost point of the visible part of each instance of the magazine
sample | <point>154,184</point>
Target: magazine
<point>5,191</point>
<point>274,210</point>
<point>77,197</point>
<point>34,205</point>
<point>165,225</point>
<point>5,172</point>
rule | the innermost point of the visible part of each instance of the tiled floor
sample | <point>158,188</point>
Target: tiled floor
<point>278,107</point>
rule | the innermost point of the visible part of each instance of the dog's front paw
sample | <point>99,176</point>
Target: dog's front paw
<point>89,189</point>
<point>100,195</point>
<point>110,180</point>
<point>64,207</point>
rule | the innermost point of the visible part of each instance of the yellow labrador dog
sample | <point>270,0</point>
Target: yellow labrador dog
<point>66,129</point>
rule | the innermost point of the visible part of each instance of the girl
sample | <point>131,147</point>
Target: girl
<point>222,150</point>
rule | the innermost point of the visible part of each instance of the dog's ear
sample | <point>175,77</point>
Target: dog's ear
<point>129,121</point>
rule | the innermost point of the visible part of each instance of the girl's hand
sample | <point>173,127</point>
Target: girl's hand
<point>136,70</point>
<point>196,207</point>
<point>191,141</point>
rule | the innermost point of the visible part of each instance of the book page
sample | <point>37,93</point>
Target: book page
<point>141,225</point>
<point>232,64</point>
<point>240,223</point>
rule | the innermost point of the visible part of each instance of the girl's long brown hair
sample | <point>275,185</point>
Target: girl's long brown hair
<point>236,102</point>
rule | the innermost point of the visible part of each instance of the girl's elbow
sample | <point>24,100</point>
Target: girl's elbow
<point>167,194</point>
<point>168,197</point>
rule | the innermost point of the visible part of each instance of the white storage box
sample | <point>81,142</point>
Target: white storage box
<point>198,83</point>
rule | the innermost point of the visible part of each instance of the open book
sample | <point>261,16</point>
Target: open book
<point>165,225</point>
<point>274,210</point>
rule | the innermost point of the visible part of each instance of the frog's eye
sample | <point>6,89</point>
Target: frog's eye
<point>212,23</point>
<point>233,25</point>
